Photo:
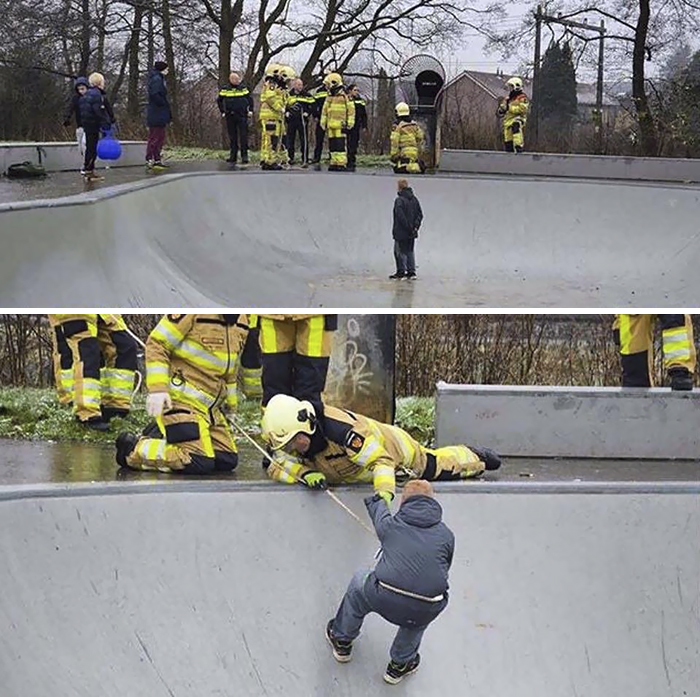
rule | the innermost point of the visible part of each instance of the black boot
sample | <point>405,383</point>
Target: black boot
<point>396,672</point>
<point>489,457</point>
<point>231,159</point>
<point>125,444</point>
<point>109,413</point>
<point>681,380</point>
<point>96,423</point>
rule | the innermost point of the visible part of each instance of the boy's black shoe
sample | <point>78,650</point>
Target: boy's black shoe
<point>411,275</point>
<point>231,160</point>
<point>125,443</point>
<point>342,650</point>
<point>489,457</point>
<point>396,672</point>
<point>398,274</point>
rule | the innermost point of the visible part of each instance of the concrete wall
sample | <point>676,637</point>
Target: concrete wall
<point>60,157</point>
<point>578,166</point>
<point>600,422</point>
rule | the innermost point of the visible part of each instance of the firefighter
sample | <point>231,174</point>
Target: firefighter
<point>360,125</point>
<point>296,352</point>
<point>337,118</point>
<point>299,108</point>
<point>272,109</point>
<point>339,446</point>
<point>236,106</point>
<point>319,100</point>
<point>62,364</point>
<point>514,111</point>
<point>406,142</point>
<point>633,334</point>
<point>103,366</point>
<point>193,377</point>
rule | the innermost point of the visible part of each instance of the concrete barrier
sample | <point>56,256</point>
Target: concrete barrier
<point>577,166</point>
<point>61,157</point>
<point>600,422</point>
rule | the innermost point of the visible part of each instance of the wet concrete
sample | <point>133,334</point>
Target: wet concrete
<point>25,462</point>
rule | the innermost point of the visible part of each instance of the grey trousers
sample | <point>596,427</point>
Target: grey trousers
<point>352,611</point>
<point>405,256</point>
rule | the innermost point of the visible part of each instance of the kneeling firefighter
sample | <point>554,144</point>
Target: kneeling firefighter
<point>406,142</point>
<point>337,118</point>
<point>634,337</point>
<point>341,446</point>
<point>96,357</point>
<point>192,375</point>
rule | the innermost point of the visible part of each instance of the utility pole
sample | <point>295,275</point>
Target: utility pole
<point>536,76</point>
<point>598,118</point>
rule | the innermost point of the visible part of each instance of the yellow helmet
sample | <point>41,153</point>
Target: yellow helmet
<point>402,109</point>
<point>286,417</point>
<point>272,70</point>
<point>333,80</point>
<point>515,83</point>
<point>287,72</point>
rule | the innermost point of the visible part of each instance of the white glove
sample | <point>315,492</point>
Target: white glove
<point>157,403</point>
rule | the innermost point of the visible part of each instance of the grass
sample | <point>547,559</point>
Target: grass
<point>192,154</point>
<point>35,414</point>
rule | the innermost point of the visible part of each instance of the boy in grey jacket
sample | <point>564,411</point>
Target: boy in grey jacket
<point>407,587</point>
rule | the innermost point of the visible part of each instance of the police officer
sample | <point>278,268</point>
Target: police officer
<point>300,106</point>
<point>359,126</point>
<point>194,367</point>
<point>236,106</point>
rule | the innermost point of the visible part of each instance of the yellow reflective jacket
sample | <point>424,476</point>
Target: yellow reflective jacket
<point>349,447</point>
<point>406,140</point>
<point>273,102</point>
<point>196,359</point>
<point>338,112</point>
<point>515,109</point>
<point>113,323</point>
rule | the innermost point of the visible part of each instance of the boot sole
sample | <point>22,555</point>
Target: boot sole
<point>396,681</point>
<point>336,655</point>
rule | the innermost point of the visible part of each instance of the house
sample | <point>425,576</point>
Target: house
<point>469,102</point>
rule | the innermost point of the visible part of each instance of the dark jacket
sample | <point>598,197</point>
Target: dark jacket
<point>319,100</point>
<point>235,100</point>
<point>158,112</point>
<point>73,107</point>
<point>416,555</point>
<point>299,105</point>
<point>360,113</point>
<point>95,111</point>
<point>408,215</point>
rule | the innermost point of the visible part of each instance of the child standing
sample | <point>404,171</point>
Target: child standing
<point>96,115</point>
<point>81,87</point>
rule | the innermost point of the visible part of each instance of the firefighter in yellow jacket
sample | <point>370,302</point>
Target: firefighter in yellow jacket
<point>296,351</point>
<point>98,365</point>
<point>341,446</point>
<point>514,111</point>
<point>194,366</point>
<point>273,102</point>
<point>62,363</point>
<point>634,336</point>
<point>337,118</point>
<point>406,142</point>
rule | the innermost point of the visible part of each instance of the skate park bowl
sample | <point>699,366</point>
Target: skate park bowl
<point>211,588</point>
<point>300,239</point>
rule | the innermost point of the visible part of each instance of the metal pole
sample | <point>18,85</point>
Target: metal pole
<point>599,88</point>
<point>536,78</point>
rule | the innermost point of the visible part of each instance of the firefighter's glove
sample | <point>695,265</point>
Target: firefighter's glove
<point>315,480</point>
<point>157,403</point>
<point>388,496</point>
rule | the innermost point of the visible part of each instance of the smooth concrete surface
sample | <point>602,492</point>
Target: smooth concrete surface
<point>193,591</point>
<point>576,166</point>
<point>292,240</point>
<point>595,422</point>
<point>59,157</point>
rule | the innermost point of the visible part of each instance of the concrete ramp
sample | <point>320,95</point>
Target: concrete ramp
<point>254,239</point>
<point>216,589</point>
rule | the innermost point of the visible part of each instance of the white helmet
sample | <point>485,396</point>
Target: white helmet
<point>515,84</point>
<point>284,418</point>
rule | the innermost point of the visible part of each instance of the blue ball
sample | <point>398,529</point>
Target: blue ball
<point>109,148</point>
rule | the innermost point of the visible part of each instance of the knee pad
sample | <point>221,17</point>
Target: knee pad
<point>489,457</point>
<point>225,461</point>
<point>515,128</point>
<point>199,464</point>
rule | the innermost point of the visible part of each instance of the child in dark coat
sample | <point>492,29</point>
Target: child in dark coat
<point>408,217</point>
<point>95,115</point>
<point>407,587</point>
